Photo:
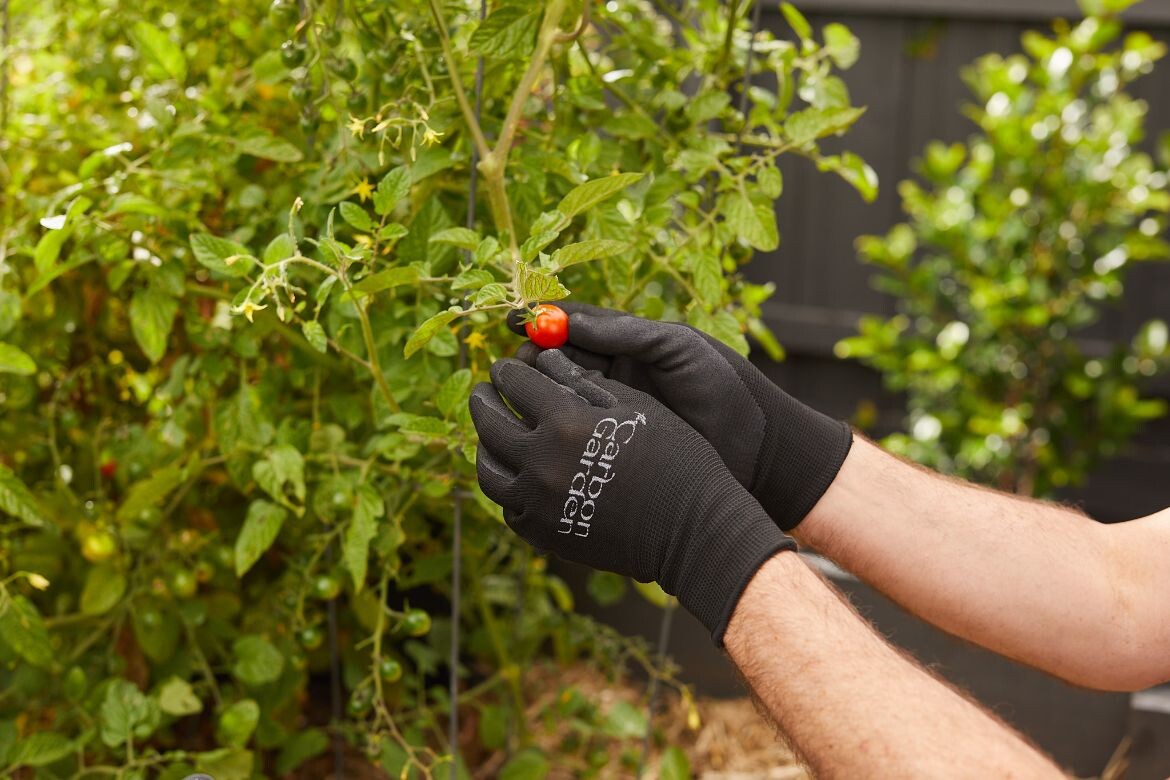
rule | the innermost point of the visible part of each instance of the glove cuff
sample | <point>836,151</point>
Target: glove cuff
<point>807,454</point>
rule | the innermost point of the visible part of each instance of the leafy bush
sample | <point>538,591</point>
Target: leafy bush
<point>242,305</point>
<point>1020,239</point>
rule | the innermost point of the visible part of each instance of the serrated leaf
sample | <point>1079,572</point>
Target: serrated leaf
<point>126,714</point>
<point>281,472</point>
<point>104,588</point>
<point>707,276</point>
<point>813,123</point>
<point>754,222</point>
<point>23,630</point>
<point>425,332</point>
<point>385,280</point>
<point>17,500</point>
<point>393,187</point>
<point>260,529</point>
<point>213,252</point>
<point>157,47</point>
<point>585,251</point>
<point>14,360</point>
<point>458,236</point>
<point>315,335</point>
<point>177,697</point>
<point>532,246</point>
<point>149,492</point>
<point>553,221</point>
<point>509,32</point>
<point>453,392</point>
<point>40,749</point>
<point>269,147</point>
<point>363,526</point>
<point>355,216</point>
<point>587,195</point>
<point>538,285</point>
<point>152,315</point>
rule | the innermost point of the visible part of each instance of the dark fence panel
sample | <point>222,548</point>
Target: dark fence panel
<point>909,79</point>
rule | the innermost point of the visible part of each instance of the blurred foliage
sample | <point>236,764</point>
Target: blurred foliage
<point>1018,241</point>
<point>241,308</point>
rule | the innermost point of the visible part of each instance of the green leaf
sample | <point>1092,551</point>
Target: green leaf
<point>841,44</point>
<point>355,216</point>
<point>653,593</point>
<point>148,493</point>
<point>238,722</point>
<point>220,255</point>
<point>625,721</point>
<point>156,47</point>
<point>458,236</point>
<point>509,32</point>
<point>299,748</point>
<point>23,630</point>
<point>707,105</point>
<point>854,170</point>
<point>104,588</point>
<point>806,126</point>
<point>126,714</point>
<point>536,285</point>
<point>393,187</point>
<point>14,360</point>
<point>707,276</point>
<point>268,147</point>
<point>420,424</point>
<point>17,500</point>
<point>257,661</point>
<point>177,697</point>
<point>226,764</point>
<point>605,587</point>
<point>473,278</point>
<point>385,280</point>
<point>280,248</point>
<point>532,246</point>
<point>587,195</point>
<point>754,222</point>
<point>41,749</point>
<point>261,527</point>
<point>152,314</point>
<point>281,471</point>
<point>675,765</point>
<point>428,329</point>
<point>797,21</point>
<point>158,636</point>
<point>585,251</point>
<point>529,764</point>
<point>363,526</point>
<point>770,181</point>
<point>315,335</point>
<point>490,293</point>
<point>453,392</point>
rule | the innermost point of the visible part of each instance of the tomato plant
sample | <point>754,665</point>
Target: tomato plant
<point>240,257</point>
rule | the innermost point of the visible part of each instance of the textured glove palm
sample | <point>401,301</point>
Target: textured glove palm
<point>602,474</point>
<point>784,452</point>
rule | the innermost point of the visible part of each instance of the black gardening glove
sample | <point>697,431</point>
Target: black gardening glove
<point>787,454</point>
<point>602,474</point>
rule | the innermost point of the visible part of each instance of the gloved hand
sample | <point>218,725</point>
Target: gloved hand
<point>785,453</point>
<point>602,474</point>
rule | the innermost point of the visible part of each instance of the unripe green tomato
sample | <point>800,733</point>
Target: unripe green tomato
<point>390,670</point>
<point>359,702</point>
<point>98,546</point>
<point>326,586</point>
<point>223,556</point>
<point>301,92</point>
<point>330,36</point>
<point>344,68</point>
<point>292,53</point>
<point>183,583</point>
<point>416,622</point>
<point>75,683</point>
<point>311,637</point>
<point>309,123</point>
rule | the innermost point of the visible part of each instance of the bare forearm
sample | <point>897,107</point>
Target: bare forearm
<point>1005,572</point>
<point>850,704</point>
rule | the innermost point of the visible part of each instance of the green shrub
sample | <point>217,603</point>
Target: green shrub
<point>241,309</point>
<point>1018,241</point>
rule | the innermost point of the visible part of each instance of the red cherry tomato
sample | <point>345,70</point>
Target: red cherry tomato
<point>550,329</point>
<point>109,468</point>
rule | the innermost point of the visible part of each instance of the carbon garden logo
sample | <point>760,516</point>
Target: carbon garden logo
<point>599,462</point>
